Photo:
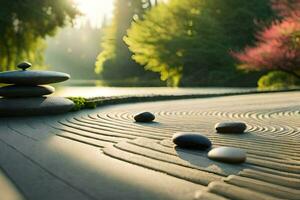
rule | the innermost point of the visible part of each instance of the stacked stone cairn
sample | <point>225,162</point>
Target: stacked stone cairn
<point>25,93</point>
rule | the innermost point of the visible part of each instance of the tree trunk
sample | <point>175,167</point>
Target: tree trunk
<point>8,56</point>
<point>149,3</point>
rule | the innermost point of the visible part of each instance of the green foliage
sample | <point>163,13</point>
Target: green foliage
<point>115,62</point>
<point>190,41</point>
<point>241,19</point>
<point>165,41</point>
<point>79,103</point>
<point>277,80</point>
<point>24,25</point>
<point>90,104</point>
<point>82,103</point>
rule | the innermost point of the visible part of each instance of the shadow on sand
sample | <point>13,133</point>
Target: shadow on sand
<point>200,159</point>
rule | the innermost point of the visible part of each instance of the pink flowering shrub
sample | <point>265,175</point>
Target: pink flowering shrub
<point>287,8</point>
<point>278,46</point>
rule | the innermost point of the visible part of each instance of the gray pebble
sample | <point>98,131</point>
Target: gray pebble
<point>227,154</point>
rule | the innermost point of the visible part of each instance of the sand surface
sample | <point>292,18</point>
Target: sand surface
<point>104,154</point>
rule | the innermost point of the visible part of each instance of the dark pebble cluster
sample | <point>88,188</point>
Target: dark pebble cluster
<point>197,141</point>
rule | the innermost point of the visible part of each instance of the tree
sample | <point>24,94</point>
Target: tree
<point>241,19</point>
<point>278,46</point>
<point>287,8</point>
<point>169,37</point>
<point>190,40</point>
<point>115,62</point>
<point>24,24</point>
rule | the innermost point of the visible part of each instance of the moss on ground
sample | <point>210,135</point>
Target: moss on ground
<point>82,103</point>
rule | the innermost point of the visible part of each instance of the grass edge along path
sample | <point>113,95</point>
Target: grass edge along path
<point>91,103</point>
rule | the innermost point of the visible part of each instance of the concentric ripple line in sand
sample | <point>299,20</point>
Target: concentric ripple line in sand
<point>272,142</point>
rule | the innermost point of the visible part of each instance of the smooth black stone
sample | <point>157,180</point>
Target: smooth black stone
<point>34,106</point>
<point>24,65</point>
<point>32,77</point>
<point>144,117</point>
<point>15,91</point>
<point>231,127</point>
<point>191,140</point>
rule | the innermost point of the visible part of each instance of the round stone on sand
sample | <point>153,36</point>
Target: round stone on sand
<point>227,154</point>
<point>15,91</point>
<point>34,106</point>
<point>191,141</point>
<point>144,117</point>
<point>31,77</point>
<point>231,127</point>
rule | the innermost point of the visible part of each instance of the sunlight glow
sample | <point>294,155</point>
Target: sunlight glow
<point>94,11</point>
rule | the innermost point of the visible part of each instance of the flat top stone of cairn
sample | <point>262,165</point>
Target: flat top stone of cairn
<point>32,77</point>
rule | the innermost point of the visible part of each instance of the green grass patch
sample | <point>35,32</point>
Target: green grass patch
<point>82,103</point>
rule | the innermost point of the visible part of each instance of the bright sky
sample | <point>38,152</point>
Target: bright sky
<point>93,11</point>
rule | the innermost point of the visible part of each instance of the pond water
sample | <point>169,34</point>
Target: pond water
<point>100,91</point>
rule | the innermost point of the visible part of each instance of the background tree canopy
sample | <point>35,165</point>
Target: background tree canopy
<point>188,42</point>
<point>181,42</point>
<point>25,23</point>
<point>115,62</point>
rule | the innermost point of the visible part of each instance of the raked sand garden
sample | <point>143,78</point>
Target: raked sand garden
<point>104,154</point>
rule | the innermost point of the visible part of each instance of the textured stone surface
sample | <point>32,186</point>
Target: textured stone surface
<point>25,91</point>
<point>144,117</point>
<point>34,106</point>
<point>191,140</point>
<point>228,154</point>
<point>31,77</point>
<point>230,127</point>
